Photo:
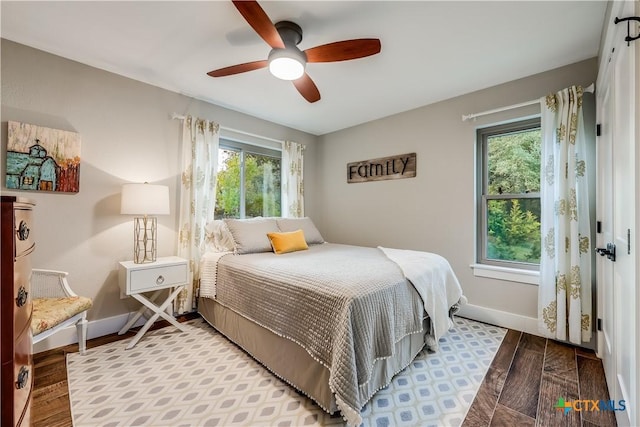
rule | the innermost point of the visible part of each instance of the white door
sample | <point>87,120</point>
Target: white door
<point>616,211</point>
<point>604,215</point>
<point>623,225</point>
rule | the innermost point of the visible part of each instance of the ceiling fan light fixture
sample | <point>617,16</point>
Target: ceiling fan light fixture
<point>286,61</point>
<point>287,64</point>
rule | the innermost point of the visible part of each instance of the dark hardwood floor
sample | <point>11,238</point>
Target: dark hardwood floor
<point>528,376</point>
<point>521,388</point>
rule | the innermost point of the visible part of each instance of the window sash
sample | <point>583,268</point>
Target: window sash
<point>248,148</point>
<point>483,243</point>
<point>483,198</point>
<point>243,149</point>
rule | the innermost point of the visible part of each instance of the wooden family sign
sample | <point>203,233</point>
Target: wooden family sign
<point>393,167</point>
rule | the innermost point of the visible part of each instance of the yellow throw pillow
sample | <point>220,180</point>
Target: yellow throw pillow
<point>291,241</point>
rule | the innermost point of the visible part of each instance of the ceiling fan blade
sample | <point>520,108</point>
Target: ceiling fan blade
<point>307,88</point>
<point>343,51</point>
<point>240,68</point>
<point>260,22</point>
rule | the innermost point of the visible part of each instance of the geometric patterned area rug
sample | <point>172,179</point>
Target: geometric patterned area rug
<point>199,378</point>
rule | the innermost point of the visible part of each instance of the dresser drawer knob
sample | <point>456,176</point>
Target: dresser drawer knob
<point>23,377</point>
<point>21,299</point>
<point>23,231</point>
<point>160,280</point>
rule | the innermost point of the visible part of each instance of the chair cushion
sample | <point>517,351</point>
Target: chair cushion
<point>50,312</point>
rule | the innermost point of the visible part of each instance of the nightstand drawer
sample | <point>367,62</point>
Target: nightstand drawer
<point>161,277</point>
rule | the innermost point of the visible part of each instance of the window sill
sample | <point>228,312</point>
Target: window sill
<point>503,273</point>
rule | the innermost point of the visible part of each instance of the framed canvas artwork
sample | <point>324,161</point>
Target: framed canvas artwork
<point>42,159</point>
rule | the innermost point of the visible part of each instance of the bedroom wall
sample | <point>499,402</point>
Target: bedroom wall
<point>127,136</point>
<point>435,211</point>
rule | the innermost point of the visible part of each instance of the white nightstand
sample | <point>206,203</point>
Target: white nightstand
<point>136,279</point>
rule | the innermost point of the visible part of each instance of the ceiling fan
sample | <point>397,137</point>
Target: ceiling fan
<point>285,60</point>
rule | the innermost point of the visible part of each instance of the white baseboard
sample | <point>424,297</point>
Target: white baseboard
<point>500,318</point>
<point>95,329</point>
<point>110,325</point>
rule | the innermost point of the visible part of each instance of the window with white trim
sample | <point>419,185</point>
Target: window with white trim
<point>508,195</point>
<point>248,181</point>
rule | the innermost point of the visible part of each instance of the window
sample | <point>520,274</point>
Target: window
<point>509,195</point>
<point>248,181</point>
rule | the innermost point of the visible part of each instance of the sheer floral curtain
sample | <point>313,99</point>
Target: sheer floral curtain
<point>564,295</point>
<point>292,179</point>
<point>200,142</point>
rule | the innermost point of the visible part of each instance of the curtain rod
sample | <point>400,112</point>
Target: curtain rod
<point>266,138</point>
<point>514,106</point>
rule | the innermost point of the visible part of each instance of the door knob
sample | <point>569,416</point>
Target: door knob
<point>609,251</point>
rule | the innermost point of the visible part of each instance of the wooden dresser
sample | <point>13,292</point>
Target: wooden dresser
<point>16,374</point>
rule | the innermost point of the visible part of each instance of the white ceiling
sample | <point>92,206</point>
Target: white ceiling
<point>431,50</point>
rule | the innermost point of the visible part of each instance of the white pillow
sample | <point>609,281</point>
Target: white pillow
<point>311,233</point>
<point>218,238</point>
<point>250,235</point>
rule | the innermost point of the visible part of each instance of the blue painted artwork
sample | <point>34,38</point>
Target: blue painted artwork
<point>42,159</point>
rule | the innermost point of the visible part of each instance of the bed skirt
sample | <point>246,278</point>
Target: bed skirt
<point>293,364</point>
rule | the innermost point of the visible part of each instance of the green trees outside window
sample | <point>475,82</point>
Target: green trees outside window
<point>248,184</point>
<point>513,231</point>
<point>510,207</point>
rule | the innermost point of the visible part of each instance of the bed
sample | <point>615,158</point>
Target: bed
<point>337,322</point>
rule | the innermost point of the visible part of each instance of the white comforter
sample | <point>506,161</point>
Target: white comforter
<point>433,278</point>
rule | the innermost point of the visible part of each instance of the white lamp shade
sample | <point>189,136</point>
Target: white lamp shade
<point>144,199</point>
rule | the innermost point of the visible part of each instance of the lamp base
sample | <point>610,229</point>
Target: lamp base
<point>145,239</point>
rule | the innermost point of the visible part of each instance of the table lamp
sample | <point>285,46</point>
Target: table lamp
<point>144,200</point>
